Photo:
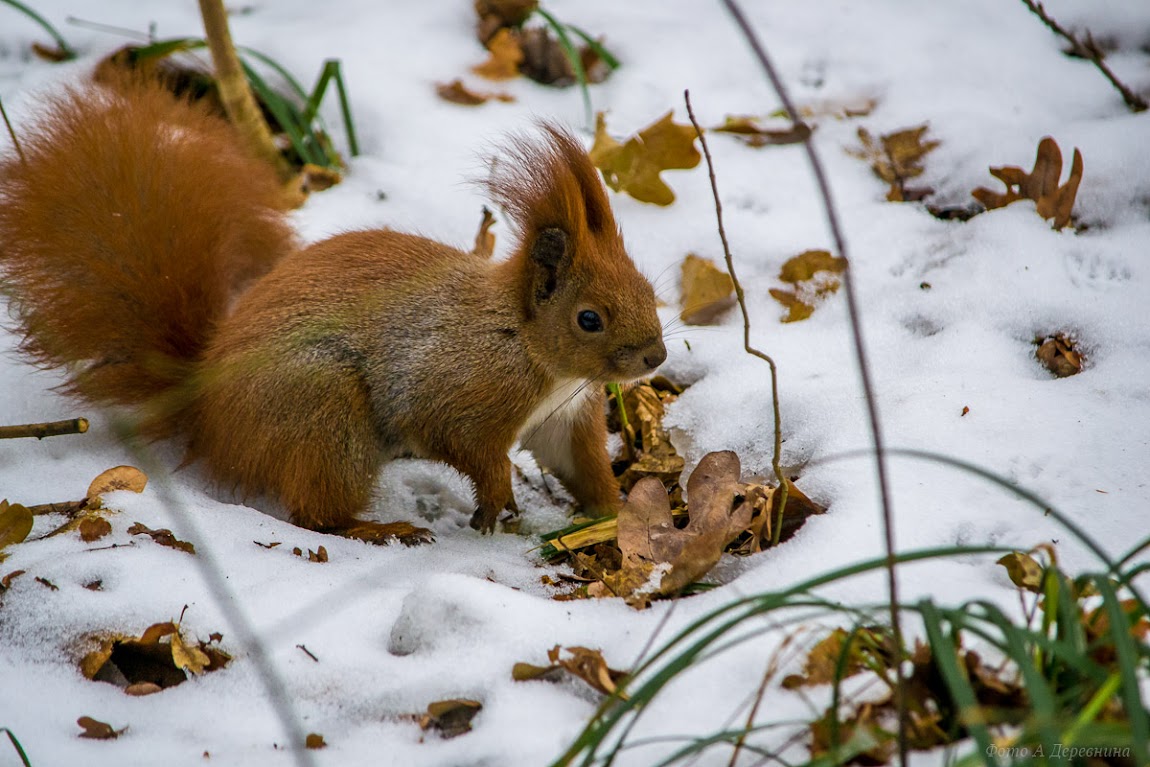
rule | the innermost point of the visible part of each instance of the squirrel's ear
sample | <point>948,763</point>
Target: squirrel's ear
<point>550,255</point>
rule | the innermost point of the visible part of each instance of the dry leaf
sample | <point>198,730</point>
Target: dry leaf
<point>1054,202</point>
<point>666,558</point>
<point>159,657</point>
<point>484,239</point>
<point>1024,570</point>
<point>647,444</point>
<point>1059,355</point>
<point>93,528</point>
<point>457,93</point>
<point>707,291</point>
<point>314,741</point>
<point>187,657</point>
<point>751,133</point>
<point>813,275</point>
<point>6,581</point>
<point>634,167</point>
<point>822,660</point>
<point>588,665</point>
<point>117,478</point>
<point>506,55</point>
<point>895,158</point>
<point>98,730</point>
<point>164,537</point>
<point>140,689</point>
<point>451,717</point>
<point>15,525</point>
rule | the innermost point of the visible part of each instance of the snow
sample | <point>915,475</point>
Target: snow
<point>395,629</point>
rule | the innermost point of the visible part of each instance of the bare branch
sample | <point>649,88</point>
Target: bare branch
<point>860,356</point>
<point>47,429</point>
<point>1088,50</point>
<point>775,459</point>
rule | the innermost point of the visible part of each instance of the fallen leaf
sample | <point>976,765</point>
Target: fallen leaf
<point>187,657</point>
<point>821,665</point>
<point>15,525</point>
<point>314,741</point>
<point>634,166</point>
<point>117,478</point>
<point>707,291</point>
<point>484,239</point>
<point>813,275</point>
<point>47,583</point>
<point>160,657</point>
<point>750,132</point>
<point>588,665</point>
<point>93,528</point>
<point>140,689</point>
<point>458,93</point>
<point>6,581</point>
<point>98,730</point>
<point>666,558</point>
<point>451,717</point>
<point>895,158</point>
<point>164,537</point>
<point>1059,355</point>
<point>496,14</point>
<point>648,451</point>
<point>1024,570</point>
<point>1053,202</point>
<point>505,56</point>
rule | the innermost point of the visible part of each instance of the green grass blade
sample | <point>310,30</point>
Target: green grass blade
<point>345,110</point>
<point>604,54</point>
<point>1092,709</point>
<point>161,48</point>
<point>1127,655</point>
<point>278,68</point>
<point>573,58</point>
<point>287,116</point>
<point>61,43</point>
<point>16,745</point>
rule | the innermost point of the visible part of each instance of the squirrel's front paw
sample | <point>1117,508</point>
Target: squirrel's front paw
<point>485,517</point>
<point>384,533</point>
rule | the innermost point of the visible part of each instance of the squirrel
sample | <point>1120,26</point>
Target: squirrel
<point>147,254</point>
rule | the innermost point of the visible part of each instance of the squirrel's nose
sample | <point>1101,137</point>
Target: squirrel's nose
<point>655,354</point>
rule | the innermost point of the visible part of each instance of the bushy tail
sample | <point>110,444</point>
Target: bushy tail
<point>125,232</point>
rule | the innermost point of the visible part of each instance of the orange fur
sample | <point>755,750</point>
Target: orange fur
<point>137,223</point>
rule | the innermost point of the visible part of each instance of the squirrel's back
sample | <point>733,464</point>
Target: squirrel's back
<point>127,226</point>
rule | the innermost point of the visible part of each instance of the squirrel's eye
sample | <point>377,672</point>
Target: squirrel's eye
<point>590,321</point>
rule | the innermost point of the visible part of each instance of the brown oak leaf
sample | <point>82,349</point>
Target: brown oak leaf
<point>1054,202</point>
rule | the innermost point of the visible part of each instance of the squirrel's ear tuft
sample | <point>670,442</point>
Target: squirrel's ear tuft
<point>549,182</point>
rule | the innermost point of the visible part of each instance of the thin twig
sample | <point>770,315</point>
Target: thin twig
<point>1088,50</point>
<point>47,429</point>
<point>776,458</point>
<point>860,357</point>
<point>12,133</point>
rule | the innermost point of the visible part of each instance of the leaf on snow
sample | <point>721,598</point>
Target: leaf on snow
<point>813,275</point>
<point>164,537</point>
<point>504,59</point>
<point>895,158</point>
<point>1024,570</point>
<point>97,730</point>
<point>707,291</point>
<point>1059,354</point>
<point>116,478</point>
<point>749,130</point>
<point>634,166</point>
<point>458,93</point>
<point>1054,202</point>
<point>450,717</point>
<point>93,527</point>
<point>15,525</point>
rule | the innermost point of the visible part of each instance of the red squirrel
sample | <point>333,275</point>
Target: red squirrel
<point>147,254</point>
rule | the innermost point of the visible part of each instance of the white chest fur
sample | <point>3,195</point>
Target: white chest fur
<point>558,408</point>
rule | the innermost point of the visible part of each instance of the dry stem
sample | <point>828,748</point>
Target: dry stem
<point>239,103</point>
<point>12,133</point>
<point>860,356</point>
<point>778,529</point>
<point>1089,50</point>
<point>47,429</point>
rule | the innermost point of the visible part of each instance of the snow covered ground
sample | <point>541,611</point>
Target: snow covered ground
<point>394,629</point>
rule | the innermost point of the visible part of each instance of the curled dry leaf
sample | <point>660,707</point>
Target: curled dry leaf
<point>813,275</point>
<point>6,581</point>
<point>1024,570</point>
<point>314,741</point>
<point>1054,202</point>
<point>450,717</point>
<point>821,666</point>
<point>160,657</point>
<point>15,525</point>
<point>458,93</point>
<point>707,291</point>
<point>117,478</point>
<point>484,238</point>
<point>634,166</point>
<point>659,558</point>
<point>1059,354</point>
<point>648,451</point>
<point>895,158</point>
<point>97,730</point>
<point>164,537</point>
<point>582,662</point>
<point>750,131</point>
